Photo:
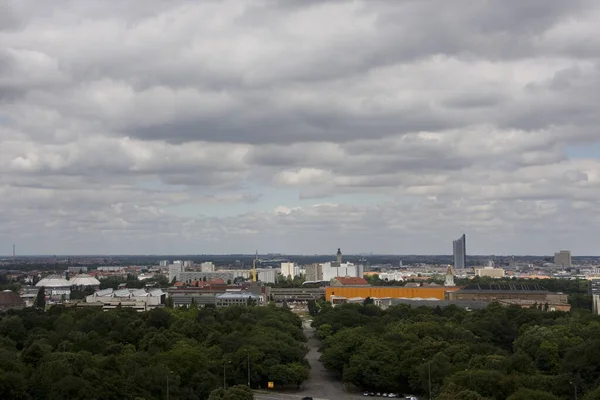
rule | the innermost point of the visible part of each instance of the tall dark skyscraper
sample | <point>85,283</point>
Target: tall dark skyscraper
<point>460,252</point>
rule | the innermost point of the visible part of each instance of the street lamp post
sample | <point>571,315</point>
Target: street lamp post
<point>428,376</point>
<point>574,389</point>
<point>168,376</point>
<point>469,371</point>
<point>225,375</point>
<point>429,370</point>
<point>248,355</point>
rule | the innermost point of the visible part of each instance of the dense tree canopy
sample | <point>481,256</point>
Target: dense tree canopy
<point>495,353</point>
<point>84,353</point>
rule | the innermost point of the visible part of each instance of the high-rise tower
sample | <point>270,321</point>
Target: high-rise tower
<point>339,256</point>
<point>460,252</point>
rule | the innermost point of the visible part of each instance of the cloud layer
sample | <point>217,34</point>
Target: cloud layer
<point>375,126</point>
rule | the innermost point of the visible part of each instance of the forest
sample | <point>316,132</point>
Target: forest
<point>492,354</point>
<point>84,353</point>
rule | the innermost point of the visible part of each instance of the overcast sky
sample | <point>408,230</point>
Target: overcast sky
<point>155,126</point>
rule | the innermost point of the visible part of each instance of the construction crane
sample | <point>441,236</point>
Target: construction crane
<point>254,267</point>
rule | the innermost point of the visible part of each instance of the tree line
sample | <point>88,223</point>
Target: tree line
<point>85,353</point>
<point>492,354</point>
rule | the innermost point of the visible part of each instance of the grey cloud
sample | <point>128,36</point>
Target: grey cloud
<point>133,128</point>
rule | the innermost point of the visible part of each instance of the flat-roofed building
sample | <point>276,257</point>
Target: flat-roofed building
<point>563,258</point>
<point>237,298</point>
<point>297,294</point>
<point>490,272</point>
<point>139,299</point>
<point>437,292</point>
<point>520,294</point>
<point>288,269</point>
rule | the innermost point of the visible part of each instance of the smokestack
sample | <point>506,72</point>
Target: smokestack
<point>14,253</point>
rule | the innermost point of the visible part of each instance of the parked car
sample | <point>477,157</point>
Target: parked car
<point>366,393</point>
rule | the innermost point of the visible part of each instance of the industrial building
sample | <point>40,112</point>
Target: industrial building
<point>84,280</point>
<point>436,292</point>
<point>178,273</point>
<point>297,294</point>
<point>206,292</point>
<point>237,299</point>
<point>519,294</point>
<point>138,299</point>
<point>55,287</point>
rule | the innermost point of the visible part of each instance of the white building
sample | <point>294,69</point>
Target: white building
<point>331,270</point>
<point>391,276</point>
<point>139,299</point>
<point>55,287</point>
<point>207,266</point>
<point>267,275</point>
<point>85,281</point>
<point>289,269</point>
<point>163,263</point>
<point>175,271</point>
<point>490,272</point>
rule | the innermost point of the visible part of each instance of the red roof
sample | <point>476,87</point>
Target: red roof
<point>347,280</point>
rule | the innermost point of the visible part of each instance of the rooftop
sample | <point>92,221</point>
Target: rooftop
<point>346,280</point>
<point>505,287</point>
<point>53,281</point>
<point>236,295</point>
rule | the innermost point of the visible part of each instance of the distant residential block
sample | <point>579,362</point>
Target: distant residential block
<point>563,258</point>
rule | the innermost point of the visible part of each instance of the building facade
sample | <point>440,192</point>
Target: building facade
<point>237,299</point>
<point>490,272</point>
<point>518,294</point>
<point>138,299</point>
<point>438,292</point>
<point>563,259</point>
<point>288,269</point>
<point>207,266</point>
<point>460,252</point>
<point>314,272</point>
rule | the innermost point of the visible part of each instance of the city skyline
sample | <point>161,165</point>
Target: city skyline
<point>225,127</point>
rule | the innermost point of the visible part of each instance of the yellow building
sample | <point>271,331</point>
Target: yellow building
<point>490,272</point>
<point>437,292</point>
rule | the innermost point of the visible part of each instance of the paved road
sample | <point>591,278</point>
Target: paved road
<point>320,385</point>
